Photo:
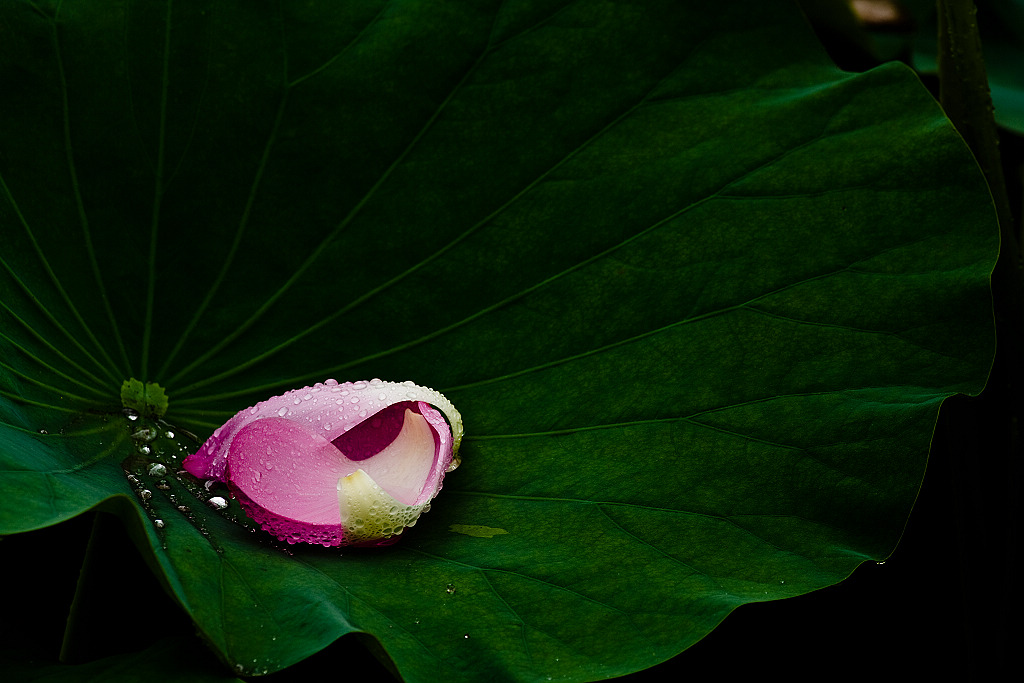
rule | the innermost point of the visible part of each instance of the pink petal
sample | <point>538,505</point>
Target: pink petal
<point>311,463</point>
<point>287,479</point>
<point>331,407</point>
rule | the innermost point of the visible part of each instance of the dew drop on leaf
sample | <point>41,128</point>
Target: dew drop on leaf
<point>454,464</point>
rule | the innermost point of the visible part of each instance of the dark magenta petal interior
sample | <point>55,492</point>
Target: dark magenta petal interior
<point>375,433</point>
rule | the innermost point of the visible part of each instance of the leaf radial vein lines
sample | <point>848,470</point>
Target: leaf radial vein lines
<point>616,120</point>
<point>349,217</point>
<point>158,192</point>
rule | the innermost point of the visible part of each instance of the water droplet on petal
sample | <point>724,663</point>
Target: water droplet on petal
<point>330,382</point>
<point>282,412</point>
<point>355,400</point>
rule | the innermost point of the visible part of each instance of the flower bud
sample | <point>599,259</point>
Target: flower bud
<point>336,464</point>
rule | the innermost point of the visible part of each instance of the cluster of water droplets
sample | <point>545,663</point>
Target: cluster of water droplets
<point>353,401</point>
<point>377,516</point>
<point>350,403</point>
<point>255,669</point>
<point>163,489</point>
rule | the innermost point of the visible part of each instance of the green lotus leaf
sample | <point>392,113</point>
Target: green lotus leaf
<point>697,293</point>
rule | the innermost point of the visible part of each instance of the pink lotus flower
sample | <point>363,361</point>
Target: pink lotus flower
<point>336,464</point>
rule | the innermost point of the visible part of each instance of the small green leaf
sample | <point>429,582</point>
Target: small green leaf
<point>145,399</point>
